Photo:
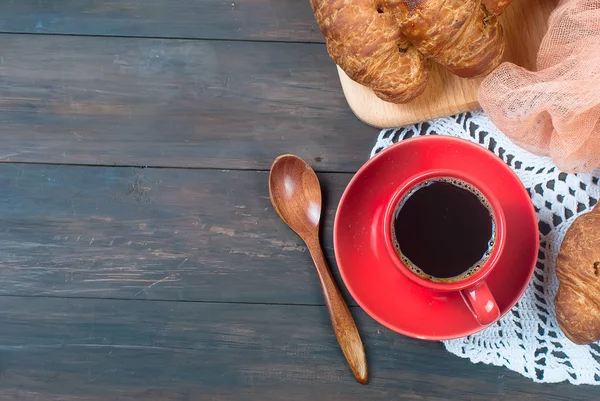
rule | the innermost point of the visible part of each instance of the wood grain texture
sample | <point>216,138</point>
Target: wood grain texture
<point>344,327</point>
<point>149,102</point>
<point>276,20</point>
<point>85,349</point>
<point>525,23</point>
<point>171,234</point>
<point>295,193</point>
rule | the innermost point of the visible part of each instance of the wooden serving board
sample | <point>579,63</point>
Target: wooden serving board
<point>525,22</point>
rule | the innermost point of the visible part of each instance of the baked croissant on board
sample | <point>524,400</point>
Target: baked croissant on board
<point>388,45</point>
<point>577,302</point>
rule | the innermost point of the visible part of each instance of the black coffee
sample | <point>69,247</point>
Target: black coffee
<point>444,230</point>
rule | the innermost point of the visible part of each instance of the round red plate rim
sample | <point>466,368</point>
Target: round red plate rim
<point>336,229</point>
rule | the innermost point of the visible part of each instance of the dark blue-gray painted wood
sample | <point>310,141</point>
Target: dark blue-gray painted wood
<point>170,234</point>
<point>158,102</point>
<point>54,348</point>
<point>272,20</point>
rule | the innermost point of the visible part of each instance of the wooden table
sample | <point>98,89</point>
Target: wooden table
<point>140,256</point>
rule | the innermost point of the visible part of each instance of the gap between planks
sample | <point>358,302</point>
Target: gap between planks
<point>161,167</point>
<point>315,305</point>
<point>88,35</point>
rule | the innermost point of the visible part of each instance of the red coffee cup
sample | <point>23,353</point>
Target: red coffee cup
<point>473,289</point>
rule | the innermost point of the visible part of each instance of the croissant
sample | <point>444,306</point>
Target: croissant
<point>459,34</point>
<point>577,302</point>
<point>388,45</point>
<point>368,45</point>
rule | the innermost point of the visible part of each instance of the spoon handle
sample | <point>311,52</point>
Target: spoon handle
<point>343,324</point>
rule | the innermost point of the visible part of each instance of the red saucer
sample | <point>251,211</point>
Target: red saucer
<point>382,290</point>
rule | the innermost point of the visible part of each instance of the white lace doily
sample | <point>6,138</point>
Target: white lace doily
<point>527,339</point>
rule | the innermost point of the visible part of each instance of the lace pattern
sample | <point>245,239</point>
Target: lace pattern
<point>527,340</point>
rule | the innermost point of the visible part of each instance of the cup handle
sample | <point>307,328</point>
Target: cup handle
<point>481,302</point>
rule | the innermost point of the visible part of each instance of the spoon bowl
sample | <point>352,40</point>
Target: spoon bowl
<point>296,194</point>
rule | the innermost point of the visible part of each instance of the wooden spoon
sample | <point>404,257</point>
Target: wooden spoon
<point>296,196</point>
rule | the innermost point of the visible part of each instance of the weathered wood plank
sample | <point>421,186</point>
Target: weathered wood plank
<point>279,20</point>
<point>174,103</point>
<point>58,349</point>
<point>172,234</point>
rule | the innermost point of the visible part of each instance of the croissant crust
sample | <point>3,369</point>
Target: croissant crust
<point>577,302</point>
